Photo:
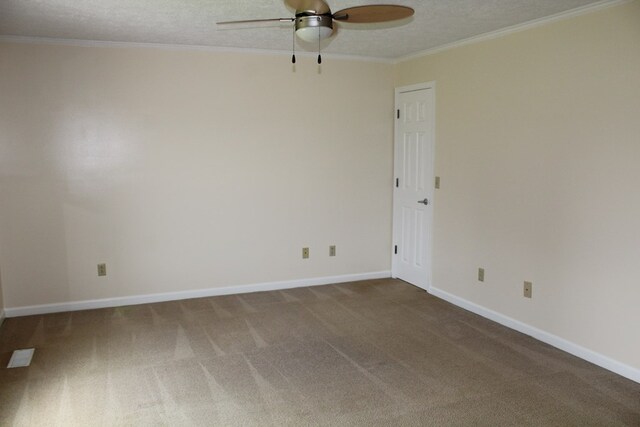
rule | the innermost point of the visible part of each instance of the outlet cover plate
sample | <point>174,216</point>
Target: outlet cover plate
<point>102,269</point>
<point>528,289</point>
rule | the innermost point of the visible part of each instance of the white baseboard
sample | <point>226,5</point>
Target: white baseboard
<point>546,337</point>
<point>197,293</point>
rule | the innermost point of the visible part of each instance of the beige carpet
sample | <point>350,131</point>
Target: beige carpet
<point>367,353</point>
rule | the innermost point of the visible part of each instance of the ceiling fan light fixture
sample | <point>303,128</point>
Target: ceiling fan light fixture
<point>309,28</point>
<point>313,21</point>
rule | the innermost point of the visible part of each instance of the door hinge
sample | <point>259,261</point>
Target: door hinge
<point>397,182</point>
<point>395,249</point>
<point>397,114</point>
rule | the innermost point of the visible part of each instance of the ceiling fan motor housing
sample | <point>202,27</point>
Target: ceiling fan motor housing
<point>311,26</point>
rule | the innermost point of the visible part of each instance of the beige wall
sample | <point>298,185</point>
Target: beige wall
<point>538,144</point>
<point>187,170</point>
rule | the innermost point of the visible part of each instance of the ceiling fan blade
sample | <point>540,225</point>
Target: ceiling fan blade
<point>373,13</point>
<point>320,7</point>
<point>248,21</point>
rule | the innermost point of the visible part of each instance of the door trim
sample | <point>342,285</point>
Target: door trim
<point>394,238</point>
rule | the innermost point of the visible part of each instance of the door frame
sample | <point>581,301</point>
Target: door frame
<point>396,141</point>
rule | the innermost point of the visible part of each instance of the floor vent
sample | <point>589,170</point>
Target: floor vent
<point>21,358</point>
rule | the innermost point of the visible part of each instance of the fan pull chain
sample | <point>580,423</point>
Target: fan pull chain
<point>319,57</point>
<point>293,57</point>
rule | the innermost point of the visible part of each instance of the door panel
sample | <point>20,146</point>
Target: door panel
<point>412,220</point>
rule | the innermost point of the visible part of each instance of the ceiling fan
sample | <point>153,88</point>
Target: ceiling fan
<point>314,21</point>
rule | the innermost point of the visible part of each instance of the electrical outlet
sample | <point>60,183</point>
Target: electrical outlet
<point>437,182</point>
<point>332,250</point>
<point>102,269</point>
<point>481,274</point>
<point>305,253</point>
<point>528,289</point>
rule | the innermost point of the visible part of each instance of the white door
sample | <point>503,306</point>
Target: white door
<point>413,185</point>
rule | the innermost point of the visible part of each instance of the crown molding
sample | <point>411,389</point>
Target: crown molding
<point>572,13</point>
<point>181,47</point>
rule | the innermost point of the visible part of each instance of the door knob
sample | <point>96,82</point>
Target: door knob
<point>424,202</point>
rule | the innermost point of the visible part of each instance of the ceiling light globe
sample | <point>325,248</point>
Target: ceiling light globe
<point>310,34</point>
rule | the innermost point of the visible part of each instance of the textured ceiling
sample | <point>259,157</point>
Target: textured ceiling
<point>192,22</point>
